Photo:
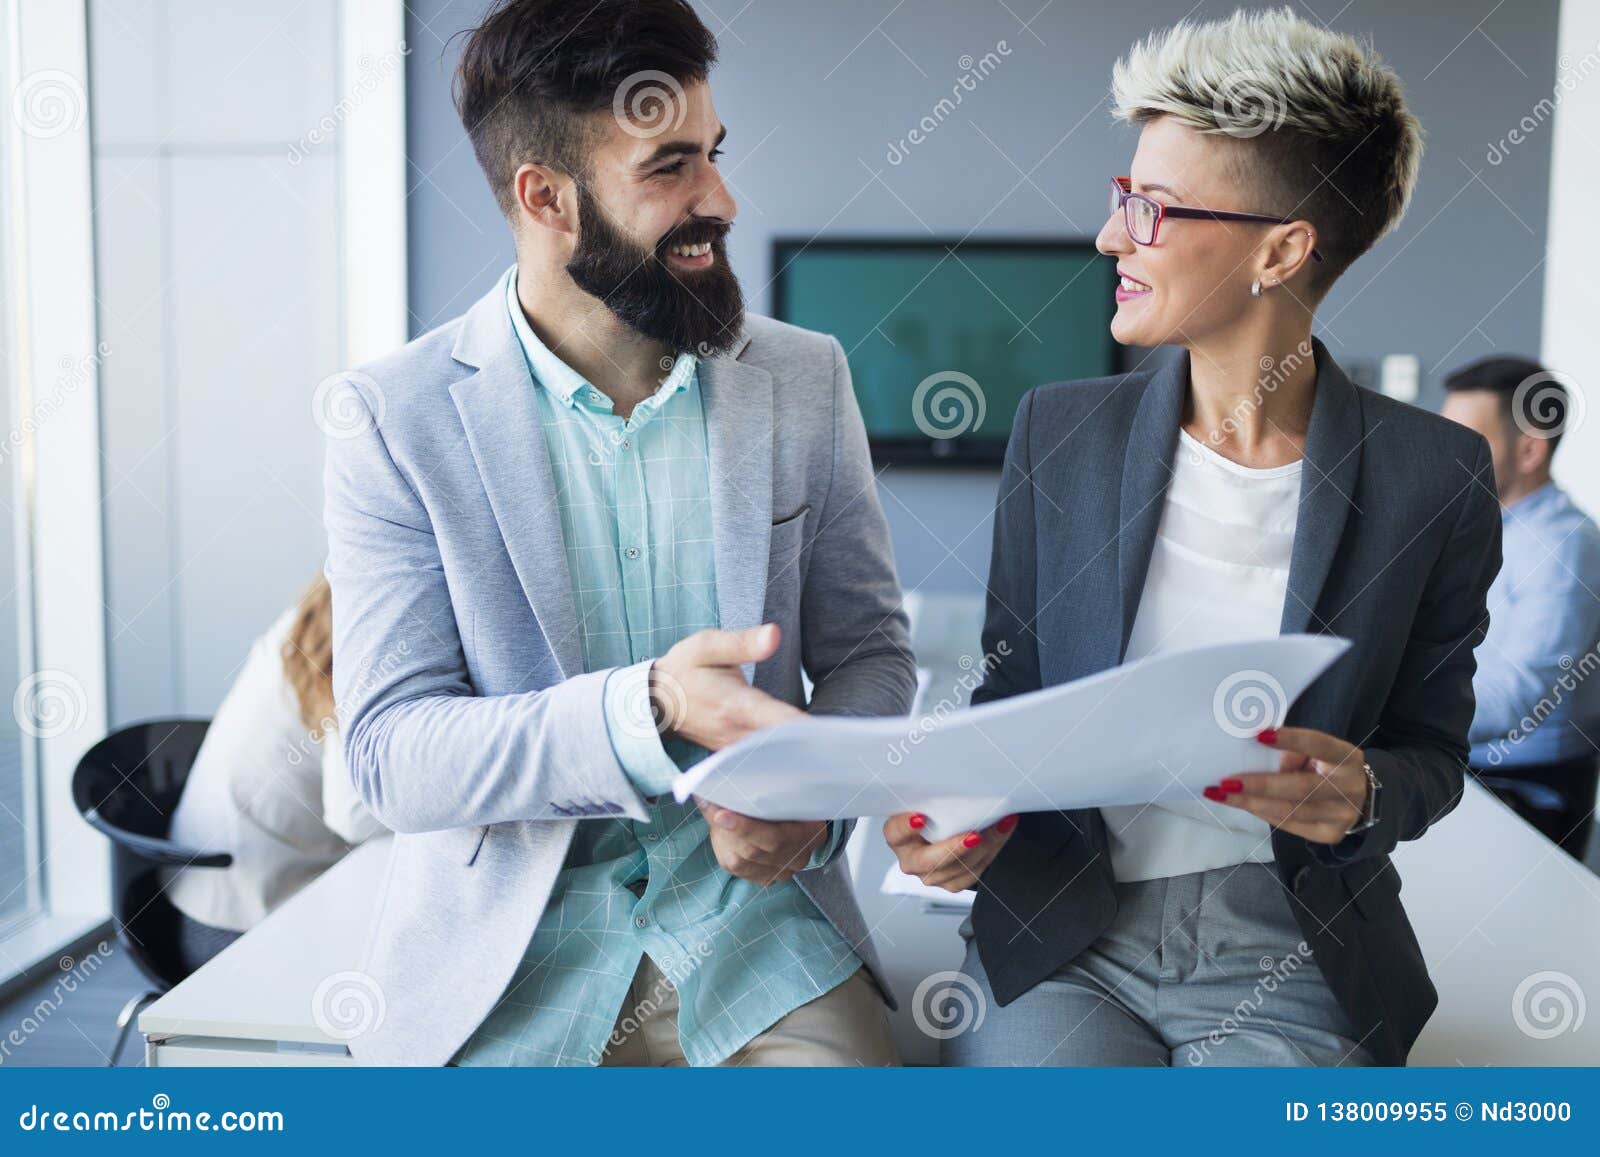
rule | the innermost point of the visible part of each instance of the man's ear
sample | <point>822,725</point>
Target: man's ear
<point>546,197</point>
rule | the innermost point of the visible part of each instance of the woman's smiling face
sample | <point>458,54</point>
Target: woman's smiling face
<point>1195,280</point>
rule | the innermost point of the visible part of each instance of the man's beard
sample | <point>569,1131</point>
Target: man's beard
<point>698,312</point>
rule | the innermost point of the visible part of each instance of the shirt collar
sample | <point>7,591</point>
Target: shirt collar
<point>555,375</point>
<point>1534,501</point>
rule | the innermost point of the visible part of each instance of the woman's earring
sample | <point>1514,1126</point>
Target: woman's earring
<point>1255,288</point>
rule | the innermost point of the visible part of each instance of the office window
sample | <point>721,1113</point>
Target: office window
<point>19,827</point>
<point>54,882</point>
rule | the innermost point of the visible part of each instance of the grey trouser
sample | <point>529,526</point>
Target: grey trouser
<point>1208,968</point>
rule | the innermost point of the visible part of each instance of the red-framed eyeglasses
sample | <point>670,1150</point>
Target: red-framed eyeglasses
<point>1143,215</point>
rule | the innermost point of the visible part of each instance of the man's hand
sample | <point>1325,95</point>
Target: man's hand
<point>1318,792</point>
<point>763,851</point>
<point>698,692</point>
<point>954,864</point>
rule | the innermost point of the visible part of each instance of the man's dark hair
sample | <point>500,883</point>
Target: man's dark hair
<point>1532,399</point>
<point>534,69</point>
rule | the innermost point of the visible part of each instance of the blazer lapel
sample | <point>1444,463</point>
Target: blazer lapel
<point>501,418</point>
<point>1327,489</point>
<point>1146,471</point>
<point>737,400</point>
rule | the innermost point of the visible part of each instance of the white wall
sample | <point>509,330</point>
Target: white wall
<point>1571,342</point>
<point>219,285</point>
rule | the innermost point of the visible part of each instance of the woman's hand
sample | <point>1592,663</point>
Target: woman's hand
<point>1318,792</point>
<point>954,864</point>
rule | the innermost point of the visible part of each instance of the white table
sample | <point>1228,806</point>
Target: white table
<point>1498,907</point>
<point>1494,904</point>
<point>253,1003</point>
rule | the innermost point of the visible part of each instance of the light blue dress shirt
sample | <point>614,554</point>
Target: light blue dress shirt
<point>1538,680</point>
<point>634,499</point>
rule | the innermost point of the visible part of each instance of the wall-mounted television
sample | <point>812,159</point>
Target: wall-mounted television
<point>945,336</point>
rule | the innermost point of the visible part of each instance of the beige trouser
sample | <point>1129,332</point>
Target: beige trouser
<point>848,1025</point>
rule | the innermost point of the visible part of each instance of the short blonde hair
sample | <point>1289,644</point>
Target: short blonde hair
<point>1322,122</point>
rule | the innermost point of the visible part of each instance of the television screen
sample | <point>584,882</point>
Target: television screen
<point>944,338</point>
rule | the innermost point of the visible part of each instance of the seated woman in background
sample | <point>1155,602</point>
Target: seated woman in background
<point>268,786</point>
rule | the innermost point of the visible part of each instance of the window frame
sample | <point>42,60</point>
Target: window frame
<point>47,267</point>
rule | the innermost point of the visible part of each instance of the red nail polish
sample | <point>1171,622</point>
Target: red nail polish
<point>1229,785</point>
<point>918,821</point>
<point>1267,735</point>
<point>1215,793</point>
<point>1004,826</point>
<point>972,840</point>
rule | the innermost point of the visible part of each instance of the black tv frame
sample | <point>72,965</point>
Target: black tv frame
<point>986,450</point>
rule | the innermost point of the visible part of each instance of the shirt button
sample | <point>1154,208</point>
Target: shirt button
<point>627,445</point>
<point>632,552</point>
<point>641,921</point>
<point>594,395</point>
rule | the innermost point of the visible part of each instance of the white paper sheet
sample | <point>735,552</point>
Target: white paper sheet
<point>897,883</point>
<point>1160,728</point>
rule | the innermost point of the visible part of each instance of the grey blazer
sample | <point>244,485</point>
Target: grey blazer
<point>1397,540</point>
<point>469,725</point>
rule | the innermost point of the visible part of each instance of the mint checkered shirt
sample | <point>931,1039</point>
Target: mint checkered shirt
<point>635,510</point>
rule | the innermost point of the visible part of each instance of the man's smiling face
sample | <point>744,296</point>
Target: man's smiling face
<point>653,218</point>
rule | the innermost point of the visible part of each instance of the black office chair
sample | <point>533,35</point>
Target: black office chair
<point>127,787</point>
<point>1563,813</point>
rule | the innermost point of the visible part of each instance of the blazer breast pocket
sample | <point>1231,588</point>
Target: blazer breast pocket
<point>787,551</point>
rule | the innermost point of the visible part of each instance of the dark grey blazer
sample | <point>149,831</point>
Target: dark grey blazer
<point>1397,541</point>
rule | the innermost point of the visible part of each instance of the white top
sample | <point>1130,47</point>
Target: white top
<point>1219,573</point>
<point>263,790</point>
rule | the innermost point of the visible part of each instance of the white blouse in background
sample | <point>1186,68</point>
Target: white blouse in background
<point>1219,573</point>
<point>262,790</point>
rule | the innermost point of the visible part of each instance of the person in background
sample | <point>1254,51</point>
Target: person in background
<point>1538,713</point>
<point>266,786</point>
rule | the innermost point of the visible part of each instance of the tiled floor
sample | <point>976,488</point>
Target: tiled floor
<point>69,1016</point>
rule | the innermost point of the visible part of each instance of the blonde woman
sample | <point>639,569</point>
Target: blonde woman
<point>1248,489</point>
<point>269,784</point>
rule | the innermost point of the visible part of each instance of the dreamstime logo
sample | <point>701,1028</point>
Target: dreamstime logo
<point>1247,701</point>
<point>972,73</point>
<point>49,704</point>
<point>661,991</point>
<point>370,74</point>
<point>1548,1004</point>
<point>347,1005</point>
<point>638,708</point>
<point>1274,372</point>
<point>973,673</point>
<point>649,103</point>
<point>347,404</point>
<point>75,373</point>
<point>948,404</point>
<point>1574,672</point>
<point>49,103</point>
<point>1275,974</point>
<point>1547,405</point>
<point>1568,77</point>
<point>948,1004</point>
<point>1246,105</point>
<point>73,973</point>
